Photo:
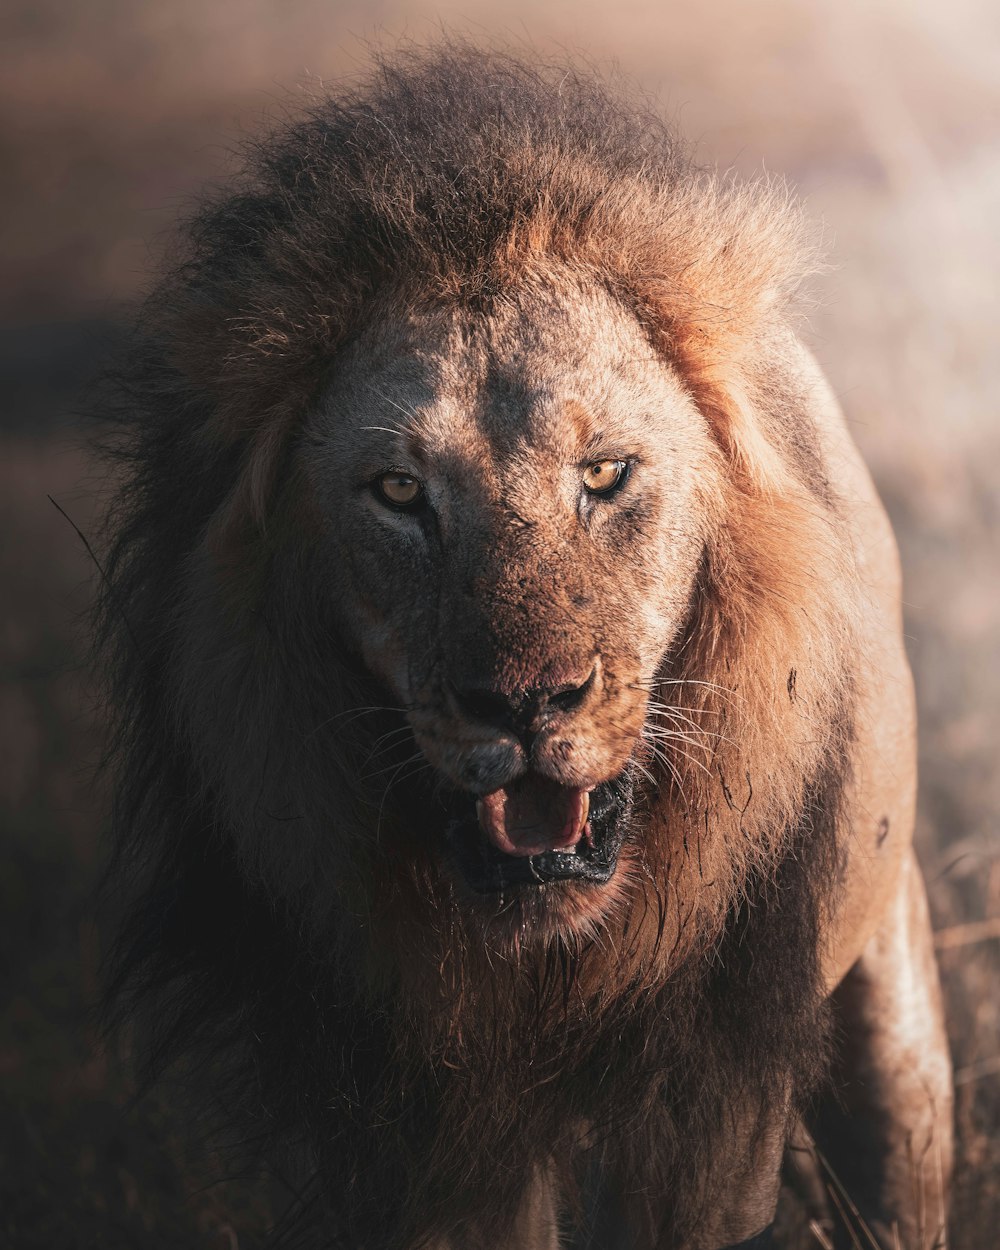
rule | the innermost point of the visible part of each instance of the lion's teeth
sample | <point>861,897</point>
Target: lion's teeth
<point>583,814</point>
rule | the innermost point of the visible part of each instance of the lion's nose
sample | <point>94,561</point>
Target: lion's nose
<point>524,711</point>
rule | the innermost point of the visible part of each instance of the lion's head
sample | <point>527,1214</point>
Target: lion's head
<point>470,596</point>
<point>515,499</point>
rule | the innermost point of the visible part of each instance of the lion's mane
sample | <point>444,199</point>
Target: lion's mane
<point>350,1013</point>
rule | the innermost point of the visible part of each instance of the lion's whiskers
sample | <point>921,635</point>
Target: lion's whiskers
<point>674,718</point>
<point>352,714</point>
<point>680,728</point>
<point>655,737</point>
<point>412,417</point>
<point>656,708</point>
<point>653,781</point>
<point>381,772</point>
<point>654,683</point>
<point>385,742</point>
<point>395,780</point>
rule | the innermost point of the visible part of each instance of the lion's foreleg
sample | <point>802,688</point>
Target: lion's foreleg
<point>742,1210</point>
<point>885,1137</point>
<point>537,1223</point>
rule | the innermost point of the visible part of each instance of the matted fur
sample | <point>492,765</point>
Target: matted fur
<point>353,1011</point>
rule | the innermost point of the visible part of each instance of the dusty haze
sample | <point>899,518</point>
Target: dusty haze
<point>114,113</point>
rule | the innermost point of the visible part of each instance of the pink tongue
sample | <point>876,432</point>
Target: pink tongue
<point>534,815</point>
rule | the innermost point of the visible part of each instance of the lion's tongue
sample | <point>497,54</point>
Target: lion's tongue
<point>534,815</point>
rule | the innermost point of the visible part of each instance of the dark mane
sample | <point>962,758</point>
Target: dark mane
<point>245,845</point>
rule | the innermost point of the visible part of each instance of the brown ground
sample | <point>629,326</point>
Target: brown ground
<point>884,116</point>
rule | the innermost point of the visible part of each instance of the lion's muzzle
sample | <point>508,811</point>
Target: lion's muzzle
<point>524,711</point>
<point>539,769</point>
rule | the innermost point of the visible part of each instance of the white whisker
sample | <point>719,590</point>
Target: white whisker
<point>352,713</point>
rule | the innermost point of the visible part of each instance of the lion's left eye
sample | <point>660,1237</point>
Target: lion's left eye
<point>603,476</point>
<point>398,490</point>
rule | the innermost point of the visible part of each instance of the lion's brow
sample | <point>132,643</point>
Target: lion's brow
<point>384,429</point>
<point>404,430</point>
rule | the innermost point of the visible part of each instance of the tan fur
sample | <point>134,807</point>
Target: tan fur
<point>308,656</point>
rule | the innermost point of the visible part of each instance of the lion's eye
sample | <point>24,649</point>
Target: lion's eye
<point>398,489</point>
<point>601,477</point>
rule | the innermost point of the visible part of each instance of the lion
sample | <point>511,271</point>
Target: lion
<point>514,737</point>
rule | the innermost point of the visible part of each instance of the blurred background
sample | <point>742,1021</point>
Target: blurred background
<point>884,116</point>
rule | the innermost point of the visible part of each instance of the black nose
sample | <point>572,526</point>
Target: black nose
<point>521,711</point>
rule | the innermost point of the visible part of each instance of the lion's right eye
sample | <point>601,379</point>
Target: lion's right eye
<point>398,490</point>
<point>603,477</point>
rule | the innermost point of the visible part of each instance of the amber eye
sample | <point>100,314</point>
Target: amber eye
<point>601,477</point>
<point>398,489</point>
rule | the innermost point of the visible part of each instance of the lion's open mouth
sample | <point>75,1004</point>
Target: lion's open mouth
<point>536,831</point>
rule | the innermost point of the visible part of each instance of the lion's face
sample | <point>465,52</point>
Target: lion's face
<point>515,507</point>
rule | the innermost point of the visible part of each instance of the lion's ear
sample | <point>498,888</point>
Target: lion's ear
<point>741,431</point>
<point>730,276</point>
<point>723,377</point>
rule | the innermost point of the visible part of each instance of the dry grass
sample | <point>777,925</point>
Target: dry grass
<point>884,115</point>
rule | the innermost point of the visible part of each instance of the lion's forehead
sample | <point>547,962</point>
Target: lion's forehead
<point>545,380</point>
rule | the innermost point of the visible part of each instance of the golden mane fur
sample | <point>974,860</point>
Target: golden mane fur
<point>357,1015</point>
